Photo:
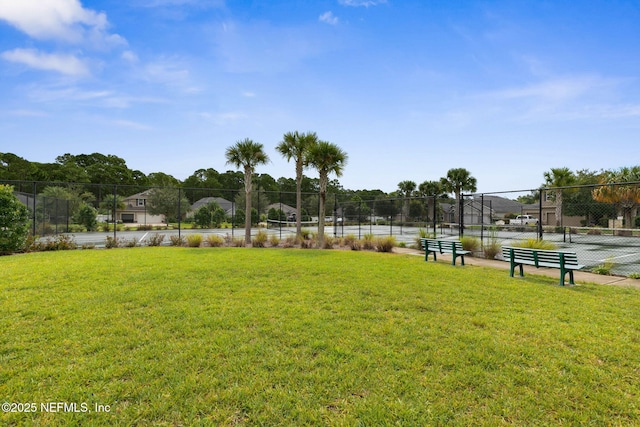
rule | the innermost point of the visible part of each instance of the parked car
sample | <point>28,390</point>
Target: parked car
<point>523,220</point>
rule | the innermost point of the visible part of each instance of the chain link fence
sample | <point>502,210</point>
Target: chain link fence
<point>599,222</point>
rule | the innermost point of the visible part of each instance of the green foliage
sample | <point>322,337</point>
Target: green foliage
<point>14,222</point>
<point>604,268</point>
<point>87,216</point>
<point>210,215</point>
<point>368,242</point>
<point>170,202</point>
<point>535,244</point>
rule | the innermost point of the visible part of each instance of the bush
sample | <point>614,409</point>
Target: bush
<point>356,245</point>
<point>14,222</point>
<point>87,216</point>
<point>214,240</point>
<point>155,239</point>
<point>111,242</point>
<point>385,244</point>
<point>61,242</point>
<point>132,243</point>
<point>274,240</point>
<point>175,240</point>
<point>535,244</point>
<point>470,243</point>
<point>605,268</point>
<point>260,239</point>
<point>367,242</point>
<point>194,240</point>
<point>329,242</point>
<point>349,239</point>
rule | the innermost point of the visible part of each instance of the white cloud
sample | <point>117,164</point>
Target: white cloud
<point>131,125</point>
<point>64,20</point>
<point>328,18</point>
<point>62,63</point>
<point>365,3</point>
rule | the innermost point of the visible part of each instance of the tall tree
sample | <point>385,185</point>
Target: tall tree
<point>457,181</point>
<point>247,154</point>
<point>14,222</point>
<point>297,146</point>
<point>558,178</point>
<point>406,189</point>
<point>621,188</point>
<point>326,158</point>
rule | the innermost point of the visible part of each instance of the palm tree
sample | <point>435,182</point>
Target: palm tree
<point>326,158</point>
<point>406,189</point>
<point>431,190</point>
<point>296,146</point>
<point>457,181</point>
<point>247,154</point>
<point>626,198</point>
<point>558,178</point>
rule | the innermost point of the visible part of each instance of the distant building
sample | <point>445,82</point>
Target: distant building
<point>226,205</point>
<point>135,210</point>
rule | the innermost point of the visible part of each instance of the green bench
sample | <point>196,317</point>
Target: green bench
<point>567,262</point>
<point>434,246</point>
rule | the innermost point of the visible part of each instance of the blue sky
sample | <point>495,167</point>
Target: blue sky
<point>409,89</point>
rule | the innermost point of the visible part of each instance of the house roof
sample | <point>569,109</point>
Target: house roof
<point>223,203</point>
<point>285,208</point>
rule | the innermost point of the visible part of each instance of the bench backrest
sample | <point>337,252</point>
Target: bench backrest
<point>438,245</point>
<point>540,256</point>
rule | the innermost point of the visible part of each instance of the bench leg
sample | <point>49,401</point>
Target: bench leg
<point>563,275</point>
<point>426,255</point>
<point>513,269</point>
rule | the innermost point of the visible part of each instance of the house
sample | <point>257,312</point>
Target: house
<point>226,205</point>
<point>135,210</point>
<point>289,211</point>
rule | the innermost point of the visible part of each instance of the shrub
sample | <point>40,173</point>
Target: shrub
<point>111,242</point>
<point>385,244</point>
<point>329,242</point>
<point>214,240</point>
<point>634,276</point>
<point>605,268</point>
<point>61,242</point>
<point>535,244</point>
<point>290,241</point>
<point>274,240</point>
<point>87,216</point>
<point>349,239</point>
<point>131,243</point>
<point>155,239</point>
<point>470,243</point>
<point>14,222</point>
<point>175,240</point>
<point>367,242</point>
<point>194,240</point>
<point>356,245</point>
<point>260,239</point>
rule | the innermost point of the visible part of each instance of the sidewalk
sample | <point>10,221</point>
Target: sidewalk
<point>579,276</point>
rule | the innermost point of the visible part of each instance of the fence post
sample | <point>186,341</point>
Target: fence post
<point>179,213</point>
<point>540,214</point>
<point>113,216</point>
<point>33,226</point>
<point>482,218</point>
<point>461,217</point>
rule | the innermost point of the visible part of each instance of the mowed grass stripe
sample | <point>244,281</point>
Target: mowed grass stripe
<point>228,336</point>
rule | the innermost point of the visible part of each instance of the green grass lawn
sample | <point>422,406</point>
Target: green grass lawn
<point>238,336</point>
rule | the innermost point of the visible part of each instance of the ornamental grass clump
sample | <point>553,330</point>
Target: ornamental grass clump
<point>194,240</point>
<point>260,239</point>
<point>535,244</point>
<point>385,244</point>
<point>214,240</point>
